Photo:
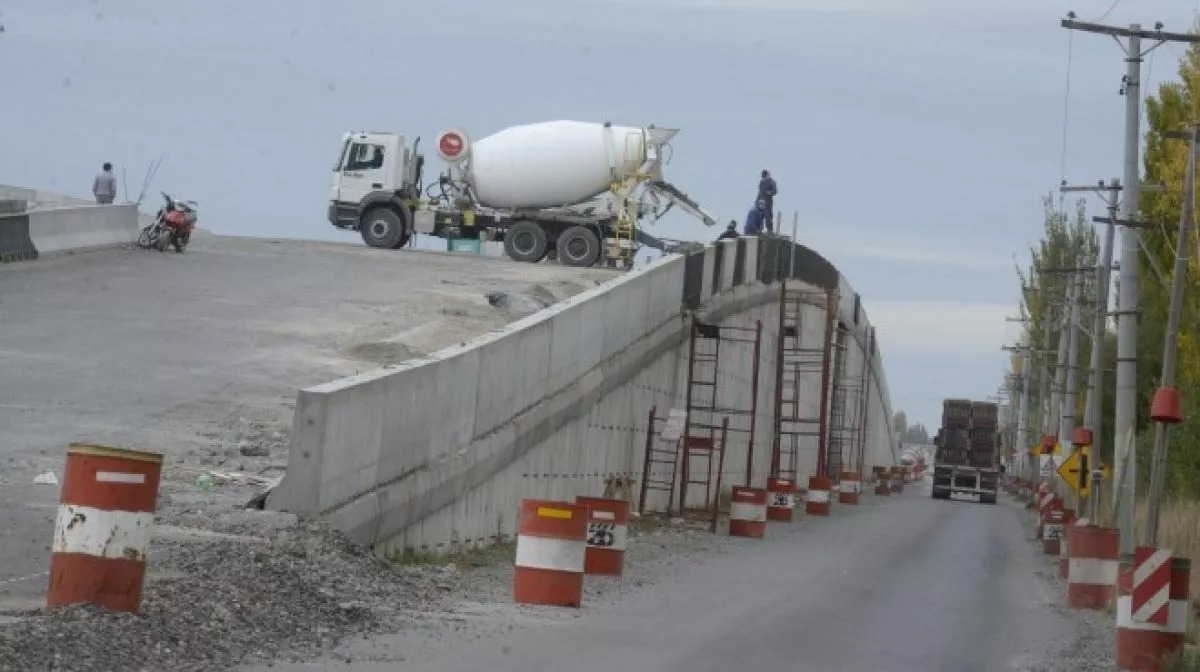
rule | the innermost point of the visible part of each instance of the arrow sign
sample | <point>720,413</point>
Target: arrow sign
<point>1075,471</point>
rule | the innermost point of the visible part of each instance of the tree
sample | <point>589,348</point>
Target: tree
<point>1066,242</point>
<point>1175,107</point>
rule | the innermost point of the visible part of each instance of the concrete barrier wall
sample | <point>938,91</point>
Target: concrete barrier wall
<point>439,451</point>
<point>83,227</point>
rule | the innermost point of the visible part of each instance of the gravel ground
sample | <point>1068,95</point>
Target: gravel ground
<point>1095,644</point>
<point>286,592</point>
<point>284,597</point>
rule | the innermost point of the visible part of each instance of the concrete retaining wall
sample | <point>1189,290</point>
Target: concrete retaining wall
<point>439,451</point>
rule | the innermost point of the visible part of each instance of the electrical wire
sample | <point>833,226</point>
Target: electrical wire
<point>1108,11</point>
<point>1066,121</point>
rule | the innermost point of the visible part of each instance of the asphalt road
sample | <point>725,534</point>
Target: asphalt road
<point>907,584</point>
<point>193,354</point>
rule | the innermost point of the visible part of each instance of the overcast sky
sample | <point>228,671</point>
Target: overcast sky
<point>913,137</point>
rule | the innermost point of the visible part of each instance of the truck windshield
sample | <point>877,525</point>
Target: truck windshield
<point>342,155</point>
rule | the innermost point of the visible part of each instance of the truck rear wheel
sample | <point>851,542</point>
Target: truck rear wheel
<point>578,246</point>
<point>525,241</point>
<point>383,228</point>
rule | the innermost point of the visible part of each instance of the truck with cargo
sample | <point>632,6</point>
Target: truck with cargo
<point>579,191</point>
<point>966,459</point>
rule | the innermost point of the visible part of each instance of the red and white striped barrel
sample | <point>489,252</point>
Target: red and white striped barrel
<point>848,488</point>
<point>1152,608</point>
<point>882,483</point>
<point>102,531</point>
<point>551,550</point>
<point>1053,529</point>
<point>607,535</point>
<point>781,499</point>
<point>748,513</point>
<point>816,502</point>
<point>1064,547</point>
<point>1092,567</point>
<point>1045,504</point>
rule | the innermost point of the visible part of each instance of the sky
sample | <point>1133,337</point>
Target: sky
<point>912,140</point>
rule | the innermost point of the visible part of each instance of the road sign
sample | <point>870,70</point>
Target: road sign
<point>1075,470</point>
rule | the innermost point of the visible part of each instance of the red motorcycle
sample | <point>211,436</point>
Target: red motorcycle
<point>172,226</point>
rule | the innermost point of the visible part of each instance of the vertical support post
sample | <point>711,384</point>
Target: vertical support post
<point>753,403</point>
<point>776,441</point>
<point>823,424</point>
<point>1067,424</point>
<point>716,510</point>
<point>1093,413</point>
<point>646,467</point>
<point>687,419</point>
<point>1127,315</point>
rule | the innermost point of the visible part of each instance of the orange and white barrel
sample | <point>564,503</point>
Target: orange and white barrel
<point>102,531</point>
<point>897,481</point>
<point>1152,608</point>
<point>781,499</point>
<point>848,488</point>
<point>1064,545</point>
<point>551,551</point>
<point>1054,522</point>
<point>816,502</point>
<point>1092,567</point>
<point>607,535</point>
<point>882,482</point>
<point>1046,503</point>
<point>748,513</point>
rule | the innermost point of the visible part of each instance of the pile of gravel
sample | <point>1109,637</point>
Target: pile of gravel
<point>231,602</point>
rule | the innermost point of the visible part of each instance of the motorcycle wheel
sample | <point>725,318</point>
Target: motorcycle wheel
<point>179,242</point>
<point>144,241</point>
<point>164,241</point>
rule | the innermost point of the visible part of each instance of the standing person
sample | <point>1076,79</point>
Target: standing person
<point>766,193</point>
<point>104,187</point>
<point>755,219</point>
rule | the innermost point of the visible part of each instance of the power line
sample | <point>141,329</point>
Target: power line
<point>1108,11</point>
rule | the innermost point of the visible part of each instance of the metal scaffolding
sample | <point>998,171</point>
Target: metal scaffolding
<point>800,358</point>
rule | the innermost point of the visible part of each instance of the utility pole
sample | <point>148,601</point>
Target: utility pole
<point>1127,307</point>
<point>1162,430</point>
<point>1093,406</point>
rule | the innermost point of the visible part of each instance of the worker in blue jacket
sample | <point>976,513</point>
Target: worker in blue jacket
<point>755,219</point>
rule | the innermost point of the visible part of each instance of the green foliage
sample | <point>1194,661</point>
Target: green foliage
<point>1175,107</point>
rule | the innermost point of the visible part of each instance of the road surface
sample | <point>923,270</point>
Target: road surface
<point>892,586</point>
<point>196,354</point>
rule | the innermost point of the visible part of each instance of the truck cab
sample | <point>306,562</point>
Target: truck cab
<point>376,184</point>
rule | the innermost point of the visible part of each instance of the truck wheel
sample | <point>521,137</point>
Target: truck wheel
<point>578,246</point>
<point>383,228</point>
<point>525,241</point>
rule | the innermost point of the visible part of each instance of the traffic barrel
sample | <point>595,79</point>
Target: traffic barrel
<point>1152,608</point>
<point>1064,545</point>
<point>551,551</point>
<point>897,479</point>
<point>102,530</point>
<point>781,499</point>
<point>848,488</point>
<point>1045,504</point>
<point>748,512</point>
<point>882,482</point>
<point>1092,567</point>
<point>816,501</point>
<point>607,533</point>
<point>1052,531</point>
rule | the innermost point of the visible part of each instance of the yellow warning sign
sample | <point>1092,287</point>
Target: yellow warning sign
<point>547,512</point>
<point>1075,470</point>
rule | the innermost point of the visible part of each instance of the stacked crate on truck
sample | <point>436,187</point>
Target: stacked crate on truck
<point>966,455</point>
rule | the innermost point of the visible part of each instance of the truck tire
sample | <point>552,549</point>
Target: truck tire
<point>525,241</point>
<point>578,246</point>
<point>987,499</point>
<point>941,494</point>
<point>383,228</point>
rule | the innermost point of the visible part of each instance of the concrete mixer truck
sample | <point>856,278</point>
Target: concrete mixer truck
<point>576,190</point>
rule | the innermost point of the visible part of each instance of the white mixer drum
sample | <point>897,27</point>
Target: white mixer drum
<point>552,163</point>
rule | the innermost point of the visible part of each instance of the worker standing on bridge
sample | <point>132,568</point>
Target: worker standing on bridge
<point>754,220</point>
<point>766,193</point>
<point>104,187</point>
